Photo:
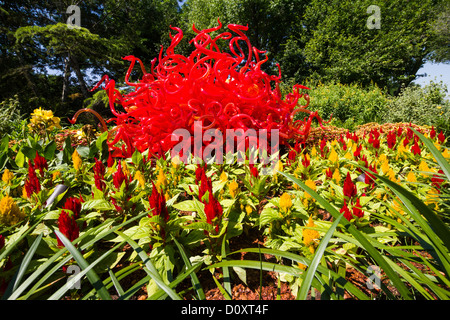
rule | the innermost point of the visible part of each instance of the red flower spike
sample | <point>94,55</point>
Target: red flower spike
<point>416,149</point>
<point>213,210</point>
<point>158,204</point>
<point>40,163</point>
<point>346,211</point>
<point>32,184</point>
<point>119,177</point>
<point>329,173</point>
<point>391,139</point>
<point>73,204</point>
<point>405,142</point>
<point>357,209</point>
<point>441,137</point>
<point>432,133</point>
<point>99,173</point>
<point>253,170</point>
<point>68,227</point>
<point>349,187</point>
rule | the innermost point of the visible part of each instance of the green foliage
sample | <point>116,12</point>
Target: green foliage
<point>426,105</point>
<point>348,105</point>
<point>9,115</point>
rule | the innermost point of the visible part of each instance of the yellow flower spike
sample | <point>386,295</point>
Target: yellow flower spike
<point>140,178</point>
<point>56,175</point>
<point>278,167</point>
<point>310,184</point>
<point>411,177</point>
<point>383,158</point>
<point>423,166</point>
<point>446,153</point>
<point>10,213</point>
<point>437,145</point>
<point>348,156</point>
<point>313,151</point>
<point>223,177</point>
<point>233,188</point>
<point>76,159</point>
<point>391,175</point>
<point>310,236</point>
<point>7,176</point>
<point>248,209</point>
<point>125,169</point>
<point>161,180</point>
<point>285,202</point>
<point>385,167</point>
<point>333,157</point>
<point>336,176</point>
<point>334,142</point>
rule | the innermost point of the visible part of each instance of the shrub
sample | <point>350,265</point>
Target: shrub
<point>349,105</point>
<point>421,105</point>
<point>9,114</point>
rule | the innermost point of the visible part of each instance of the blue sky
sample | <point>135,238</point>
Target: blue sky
<point>435,72</point>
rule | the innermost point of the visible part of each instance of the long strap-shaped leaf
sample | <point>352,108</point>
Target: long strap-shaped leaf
<point>310,272</point>
<point>94,279</point>
<point>150,268</point>
<point>382,263</point>
<point>23,268</point>
<point>444,164</point>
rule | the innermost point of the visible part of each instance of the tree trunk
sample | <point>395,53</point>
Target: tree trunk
<point>76,67</point>
<point>66,78</point>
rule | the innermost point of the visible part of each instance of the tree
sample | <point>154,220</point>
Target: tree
<point>342,47</point>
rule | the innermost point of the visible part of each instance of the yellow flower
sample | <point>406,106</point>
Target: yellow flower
<point>423,166</point>
<point>7,176</point>
<point>233,188</point>
<point>278,167</point>
<point>223,176</point>
<point>391,175</point>
<point>411,177</point>
<point>10,213</point>
<point>140,178</point>
<point>310,236</point>
<point>125,168</point>
<point>446,153</point>
<point>383,158</point>
<point>385,167</point>
<point>77,162</point>
<point>161,180</point>
<point>333,157</point>
<point>313,151</point>
<point>56,175</point>
<point>285,202</point>
<point>310,184</point>
<point>336,176</point>
<point>248,209</point>
<point>348,156</point>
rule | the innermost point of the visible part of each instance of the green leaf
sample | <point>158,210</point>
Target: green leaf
<point>97,204</point>
<point>91,275</point>
<point>20,159</point>
<point>49,151</point>
<point>310,272</point>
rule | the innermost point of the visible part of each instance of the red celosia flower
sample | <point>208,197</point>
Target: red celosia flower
<point>40,163</point>
<point>253,170</point>
<point>68,227</point>
<point>405,142</point>
<point>416,149</point>
<point>370,178</point>
<point>119,177</point>
<point>409,133</point>
<point>306,162</point>
<point>158,204</point>
<point>99,173</point>
<point>199,172</point>
<point>391,139</point>
<point>441,137</point>
<point>436,181</point>
<point>32,184</point>
<point>2,241</point>
<point>432,133</point>
<point>213,210</point>
<point>323,143</point>
<point>349,187</point>
<point>224,90</point>
<point>346,211</point>
<point>329,173</point>
<point>357,209</point>
<point>73,204</point>
<point>357,152</point>
<point>110,161</point>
